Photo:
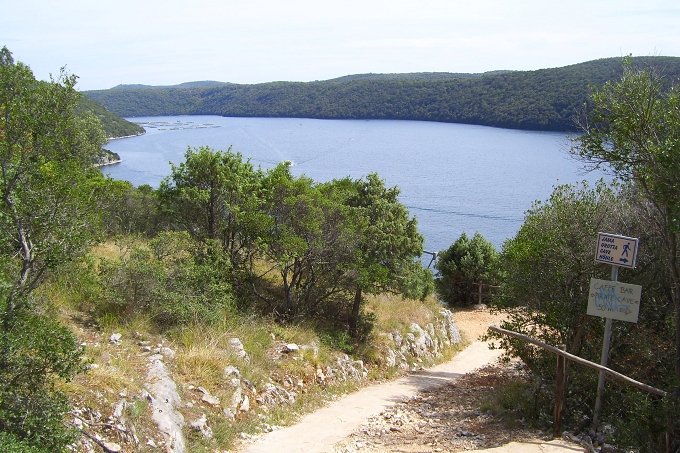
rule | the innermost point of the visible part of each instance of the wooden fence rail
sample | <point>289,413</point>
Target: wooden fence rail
<point>561,373</point>
<point>577,359</point>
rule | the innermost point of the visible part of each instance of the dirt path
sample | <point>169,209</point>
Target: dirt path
<point>320,431</point>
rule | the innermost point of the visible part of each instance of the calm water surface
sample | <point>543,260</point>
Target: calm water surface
<point>454,178</point>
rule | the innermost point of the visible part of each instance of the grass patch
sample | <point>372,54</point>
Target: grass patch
<point>393,312</point>
<point>202,364</point>
<point>516,401</point>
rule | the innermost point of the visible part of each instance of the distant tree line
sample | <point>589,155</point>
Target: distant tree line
<point>547,99</point>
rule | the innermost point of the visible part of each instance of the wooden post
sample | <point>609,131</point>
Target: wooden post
<point>479,293</point>
<point>560,387</point>
<point>604,359</point>
<point>615,374</point>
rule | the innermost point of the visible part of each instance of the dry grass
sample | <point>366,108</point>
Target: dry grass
<point>202,364</point>
<point>394,312</point>
<point>110,379</point>
<point>109,250</point>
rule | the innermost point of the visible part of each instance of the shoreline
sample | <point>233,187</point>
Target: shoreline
<point>125,136</point>
<point>105,164</point>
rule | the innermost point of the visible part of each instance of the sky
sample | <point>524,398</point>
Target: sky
<point>106,43</point>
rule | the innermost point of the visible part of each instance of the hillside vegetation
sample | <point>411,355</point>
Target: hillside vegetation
<point>546,99</point>
<point>113,125</point>
<point>226,274</point>
<point>233,297</point>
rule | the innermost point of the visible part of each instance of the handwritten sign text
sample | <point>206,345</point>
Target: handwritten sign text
<point>615,300</point>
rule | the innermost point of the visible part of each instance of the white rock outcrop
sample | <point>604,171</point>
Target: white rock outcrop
<point>164,399</point>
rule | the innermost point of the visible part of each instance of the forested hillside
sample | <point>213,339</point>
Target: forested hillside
<point>113,125</point>
<point>546,99</point>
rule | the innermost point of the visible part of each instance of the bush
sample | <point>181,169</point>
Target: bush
<point>10,444</point>
<point>35,351</point>
<point>465,266</point>
<point>173,278</point>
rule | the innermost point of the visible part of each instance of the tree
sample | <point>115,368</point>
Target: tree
<point>46,175</point>
<point>48,199</point>
<point>128,209</point>
<point>634,131</point>
<point>465,267</point>
<point>388,242</point>
<point>216,195</point>
<point>312,241</point>
<point>548,265</point>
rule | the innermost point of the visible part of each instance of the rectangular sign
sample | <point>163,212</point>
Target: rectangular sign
<point>616,250</point>
<point>615,300</point>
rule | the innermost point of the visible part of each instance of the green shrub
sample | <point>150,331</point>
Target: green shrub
<point>337,339</point>
<point>35,352</point>
<point>174,279</point>
<point>463,267</point>
<point>10,444</point>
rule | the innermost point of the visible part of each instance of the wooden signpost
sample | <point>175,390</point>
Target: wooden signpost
<point>611,299</point>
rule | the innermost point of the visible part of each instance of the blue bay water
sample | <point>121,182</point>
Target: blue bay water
<point>454,178</point>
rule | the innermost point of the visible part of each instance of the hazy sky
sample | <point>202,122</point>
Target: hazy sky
<point>107,43</point>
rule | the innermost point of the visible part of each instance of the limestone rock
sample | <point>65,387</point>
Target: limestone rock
<point>228,414</point>
<point>118,410</point>
<point>167,353</point>
<point>201,425</point>
<point>245,404</point>
<point>115,338</point>
<point>320,376</point>
<point>420,342</point>
<point>291,347</point>
<point>231,371</point>
<point>236,398</point>
<point>212,400</point>
<point>238,348</point>
<point>112,447</point>
<point>161,391</point>
<point>450,326</point>
<point>272,395</point>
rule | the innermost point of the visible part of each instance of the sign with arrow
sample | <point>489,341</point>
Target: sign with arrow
<point>616,250</point>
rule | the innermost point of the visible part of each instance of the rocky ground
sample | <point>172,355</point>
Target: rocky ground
<point>446,419</point>
<point>449,418</point>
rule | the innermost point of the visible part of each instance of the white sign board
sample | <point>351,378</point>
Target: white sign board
<point>615,300</point>
<point>616,250</point>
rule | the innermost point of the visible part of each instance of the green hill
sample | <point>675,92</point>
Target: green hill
<point>114,126</point>
<point>546,99</point>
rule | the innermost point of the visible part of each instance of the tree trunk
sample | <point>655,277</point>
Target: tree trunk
<point>26,254</point>
<point>354,316</point>
<point>288,307</point>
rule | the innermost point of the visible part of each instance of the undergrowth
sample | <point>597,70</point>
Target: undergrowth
<point>79,297</point>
